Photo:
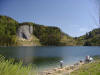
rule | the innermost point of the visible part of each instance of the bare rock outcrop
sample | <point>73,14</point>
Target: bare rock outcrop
<point>25,31</point>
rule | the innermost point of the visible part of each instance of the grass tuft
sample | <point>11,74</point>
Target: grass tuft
<point>8,67</point>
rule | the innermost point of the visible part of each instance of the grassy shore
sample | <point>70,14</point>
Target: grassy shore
<point>92,68</point>
<point>8,67</point>
<point>89,69</point>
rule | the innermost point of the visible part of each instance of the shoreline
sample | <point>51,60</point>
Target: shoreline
<point>66,69</point>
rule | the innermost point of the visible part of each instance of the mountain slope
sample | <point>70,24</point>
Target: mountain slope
<point>30,34</point>
<point>67,40</point>
<point>91,38</point>
<point>8,28</point>
<point>8,34</point>
<point>13,33</point>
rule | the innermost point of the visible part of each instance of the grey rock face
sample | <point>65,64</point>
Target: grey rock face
<point>25,31</point>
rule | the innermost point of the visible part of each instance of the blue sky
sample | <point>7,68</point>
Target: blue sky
<point>74,17</point>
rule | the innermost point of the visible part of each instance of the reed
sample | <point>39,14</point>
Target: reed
<point>8,67</point>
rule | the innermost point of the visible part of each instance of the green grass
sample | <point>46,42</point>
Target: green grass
<point>89,69</point>
<point>8,67</point>
<point>34,41</point>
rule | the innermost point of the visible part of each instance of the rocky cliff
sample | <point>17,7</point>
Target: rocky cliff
<point>25,36</point>
<point>25,31</point>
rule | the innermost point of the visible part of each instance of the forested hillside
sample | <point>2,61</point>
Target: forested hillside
<point>41,35</point>
<point>8,28</point>
<point>91,38</point>
<point>47,35</point>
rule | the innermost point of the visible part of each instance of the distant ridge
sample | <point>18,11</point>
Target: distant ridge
<point>13,33</point>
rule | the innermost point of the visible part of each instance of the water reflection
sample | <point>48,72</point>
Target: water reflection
<point>46,60</point>
<point>45,57</point>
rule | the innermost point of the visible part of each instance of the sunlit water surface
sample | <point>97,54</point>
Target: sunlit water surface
<point>49,57</point>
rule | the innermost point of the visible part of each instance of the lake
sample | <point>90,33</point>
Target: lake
<point>49,56</point>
